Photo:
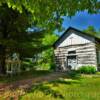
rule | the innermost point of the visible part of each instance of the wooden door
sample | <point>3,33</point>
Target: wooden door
<point>71,62</point>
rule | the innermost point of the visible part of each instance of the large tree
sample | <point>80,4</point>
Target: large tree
<point>14,36</point>
<point>17,15</point>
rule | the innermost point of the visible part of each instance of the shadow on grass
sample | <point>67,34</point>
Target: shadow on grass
<point>47,90</point>
<point>68,79</point>
<point>22,75</point>
<point>32,74</point>
<point>65,81</point>
<point>74,75</point>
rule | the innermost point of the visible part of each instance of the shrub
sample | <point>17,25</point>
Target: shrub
<point>87,69</point>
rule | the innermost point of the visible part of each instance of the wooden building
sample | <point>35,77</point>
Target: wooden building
<point>75,49</point>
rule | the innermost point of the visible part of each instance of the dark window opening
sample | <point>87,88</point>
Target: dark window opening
<point>71,52</point>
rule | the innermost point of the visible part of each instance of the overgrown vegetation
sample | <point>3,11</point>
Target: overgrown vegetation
<point>87,69</point>
<point>45,60</point>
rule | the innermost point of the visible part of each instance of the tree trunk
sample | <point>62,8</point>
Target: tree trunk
<point>2,60</point>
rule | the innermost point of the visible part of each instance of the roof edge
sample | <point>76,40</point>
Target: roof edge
<point>96,38</point>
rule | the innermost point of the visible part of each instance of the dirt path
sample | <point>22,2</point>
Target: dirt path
<point>27,83</point>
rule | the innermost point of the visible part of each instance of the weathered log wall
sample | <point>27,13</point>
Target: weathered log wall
<point>86,55</point>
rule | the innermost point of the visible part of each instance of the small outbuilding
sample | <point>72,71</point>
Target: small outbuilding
<point>75,49</point>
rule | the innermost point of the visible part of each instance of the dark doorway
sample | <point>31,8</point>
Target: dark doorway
<point>72,61</point>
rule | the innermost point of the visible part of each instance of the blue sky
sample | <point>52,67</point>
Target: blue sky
<point>81,21</point>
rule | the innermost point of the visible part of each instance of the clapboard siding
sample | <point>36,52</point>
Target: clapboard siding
<point>86,55</point>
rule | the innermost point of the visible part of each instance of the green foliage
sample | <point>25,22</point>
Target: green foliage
<point>98,33</point>
<point>87,69</point>
<point>47,56</point>
<point>91,30</point>
<point>27,65</point>
<point>49,39</point>
<point>43,10</point>
<point>13,34</point>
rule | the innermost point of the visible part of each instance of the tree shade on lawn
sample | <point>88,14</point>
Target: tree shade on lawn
<point>66,89</point>
<point>17,15</point>
<point>85,87</point>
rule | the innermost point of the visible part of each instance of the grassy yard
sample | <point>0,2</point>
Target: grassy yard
<point>66,89</point>
<point>72,87</point>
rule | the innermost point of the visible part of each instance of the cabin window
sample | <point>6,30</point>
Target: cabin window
<point>72,52</point>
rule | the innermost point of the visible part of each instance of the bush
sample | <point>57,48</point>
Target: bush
<point>87,69</point>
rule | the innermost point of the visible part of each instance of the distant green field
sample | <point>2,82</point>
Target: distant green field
<point>86,88</point>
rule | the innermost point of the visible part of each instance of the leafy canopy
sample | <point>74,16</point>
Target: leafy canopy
<point>44,10</point>
<point>13,34</point>
<point>17,15</point>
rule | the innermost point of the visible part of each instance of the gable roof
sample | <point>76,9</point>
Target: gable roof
<point>71,28</point>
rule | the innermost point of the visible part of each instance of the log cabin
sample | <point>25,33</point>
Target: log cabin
<point>75,49</point>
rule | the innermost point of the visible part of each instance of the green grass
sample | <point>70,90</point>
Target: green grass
<point>66,89</point>
<point>71,86</point>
